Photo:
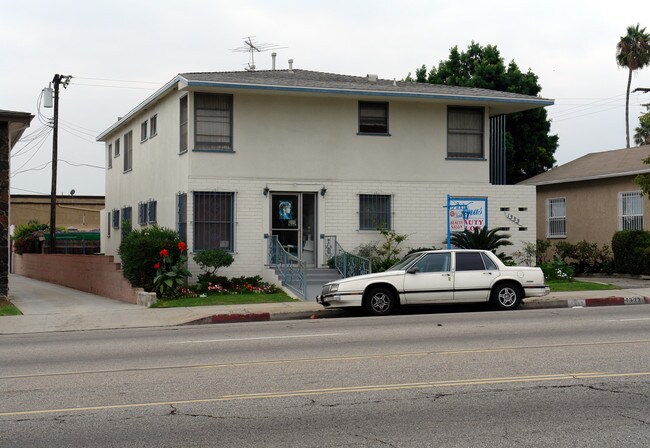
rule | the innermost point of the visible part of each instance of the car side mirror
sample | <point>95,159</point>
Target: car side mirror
<point>413,270</point>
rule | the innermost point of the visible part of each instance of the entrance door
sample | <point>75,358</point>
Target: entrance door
<point>293,220</point>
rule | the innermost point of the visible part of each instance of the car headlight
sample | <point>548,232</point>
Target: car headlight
<point>334,287</point>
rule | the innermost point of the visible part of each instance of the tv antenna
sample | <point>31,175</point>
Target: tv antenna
<point>251,47</point>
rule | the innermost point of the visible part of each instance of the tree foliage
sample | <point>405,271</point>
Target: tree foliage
<point>642,132</point>
<point>633,53</point>
<point>643,180</point>
<point>482,238</point>
<point>530,148</point>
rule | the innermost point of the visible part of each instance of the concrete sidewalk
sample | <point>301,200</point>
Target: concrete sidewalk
<point>47,307</point>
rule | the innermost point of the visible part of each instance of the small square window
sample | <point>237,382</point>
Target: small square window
<point>465,132</point>
<point>373,117</point>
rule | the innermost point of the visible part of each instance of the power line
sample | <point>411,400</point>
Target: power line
<point>120,80</point>
<point>29,191</point>
<point>114,87</point>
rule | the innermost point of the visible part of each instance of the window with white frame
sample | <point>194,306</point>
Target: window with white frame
<point>117,147</point>
<point>214,220</point>
<point>465,132</point>
<point>374,211</point>
<point>213,122</point>
<point>142,213</point>
<point>109,163</point>
<point>116,218</point>
<point>153,125</point>
<point>556,218</point>
<point>630,210</point>
<point>143,130</point>
<point>152,211</point>
<point>128,151</point>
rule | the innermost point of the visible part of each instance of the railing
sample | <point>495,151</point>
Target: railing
<point>292,270</point>
<point>346,263</point>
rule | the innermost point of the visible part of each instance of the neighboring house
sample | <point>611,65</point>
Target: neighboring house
<point>12,126</point>
<point>72,212</point>
<point>234,159</point>
<point>592,197</point>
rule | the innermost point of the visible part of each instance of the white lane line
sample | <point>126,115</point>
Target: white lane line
<point>260,339</point>
<point>627,320</point>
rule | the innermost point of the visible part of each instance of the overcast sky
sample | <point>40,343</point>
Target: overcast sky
<point>120,52</point>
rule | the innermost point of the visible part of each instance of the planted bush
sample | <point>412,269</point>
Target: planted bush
<point>631,252</point>
<point>27,237</point>
<point>210,261</point>
<point>140,252</point>
<point>585,257</point>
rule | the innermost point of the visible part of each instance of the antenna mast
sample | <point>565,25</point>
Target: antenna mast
<point>251,47</point>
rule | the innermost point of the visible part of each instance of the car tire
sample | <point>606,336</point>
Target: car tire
<point>380,302</point>
<point>506,296</point>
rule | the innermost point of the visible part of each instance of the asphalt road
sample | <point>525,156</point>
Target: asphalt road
<point>564,377</point>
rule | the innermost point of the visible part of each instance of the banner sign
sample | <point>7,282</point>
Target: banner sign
<point>465,213</point>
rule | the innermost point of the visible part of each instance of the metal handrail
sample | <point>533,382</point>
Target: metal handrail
<point>346,263</point>
<point>292,270</point>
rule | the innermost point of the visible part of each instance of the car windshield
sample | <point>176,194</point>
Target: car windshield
<point>405,262</point>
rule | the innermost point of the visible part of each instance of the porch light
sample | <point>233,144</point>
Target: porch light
<point>266,191</point>
<point>323,191</point>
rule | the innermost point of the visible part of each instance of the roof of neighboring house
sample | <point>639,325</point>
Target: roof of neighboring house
<point>18,122</point>
<point>310,82</point>
<point>597,165</point>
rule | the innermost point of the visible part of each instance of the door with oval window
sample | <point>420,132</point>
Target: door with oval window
<point>293,219</point>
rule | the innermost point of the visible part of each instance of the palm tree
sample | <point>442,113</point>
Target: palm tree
<point>480,239</point>
<point>633,52</point>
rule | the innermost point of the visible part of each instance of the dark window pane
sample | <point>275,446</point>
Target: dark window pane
<point>373,117</point>
<point>213,220</point>
<point>471,261</point>
<point>374,212</point>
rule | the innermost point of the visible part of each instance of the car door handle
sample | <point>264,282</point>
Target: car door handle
<point>487,273</point>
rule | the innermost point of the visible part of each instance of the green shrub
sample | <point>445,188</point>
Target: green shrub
<point>205,279</point>
<point>585,257</point>
<point>631,252</point>
<point>557,269</point>
<point>27,237</point>
<point>140,251</point>
<point>541,251</point>
<point>212,259</point>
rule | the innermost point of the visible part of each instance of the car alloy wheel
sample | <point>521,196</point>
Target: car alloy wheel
<point>506,297</point>
<point>380,302</point>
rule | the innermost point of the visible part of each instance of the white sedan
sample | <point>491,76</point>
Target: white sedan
<point>440,276</point>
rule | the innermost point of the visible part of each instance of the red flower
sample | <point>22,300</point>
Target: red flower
<point>164,253</point>
<point>182,246</point>
<point>156,266</point>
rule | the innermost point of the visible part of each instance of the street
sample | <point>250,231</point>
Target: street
<point>557,377</point>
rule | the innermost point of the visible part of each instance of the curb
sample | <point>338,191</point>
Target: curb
<point>585,303</point>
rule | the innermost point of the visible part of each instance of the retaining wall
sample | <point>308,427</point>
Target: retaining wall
<point>96,274</point>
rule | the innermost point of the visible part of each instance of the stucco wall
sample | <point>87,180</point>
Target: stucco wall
<point>591,208</point>
<point>90,273</point>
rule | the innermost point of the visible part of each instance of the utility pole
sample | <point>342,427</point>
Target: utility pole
<point>57,81</point>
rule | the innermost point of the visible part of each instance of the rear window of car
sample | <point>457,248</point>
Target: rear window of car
<point>469,262</point>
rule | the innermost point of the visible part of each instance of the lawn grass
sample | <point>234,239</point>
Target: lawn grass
<point>8,309</point>
<point>572,285</point>
<point>224,299</point>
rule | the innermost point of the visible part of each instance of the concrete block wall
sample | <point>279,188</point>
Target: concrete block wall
<point>95,274</point>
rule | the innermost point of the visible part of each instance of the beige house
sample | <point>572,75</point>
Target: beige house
<point>592,197</point>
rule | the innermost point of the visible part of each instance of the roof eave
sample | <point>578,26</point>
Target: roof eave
<point>585,178</point>
<point>143,105</point>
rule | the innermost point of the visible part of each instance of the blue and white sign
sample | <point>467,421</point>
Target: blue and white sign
<point>465,213</point>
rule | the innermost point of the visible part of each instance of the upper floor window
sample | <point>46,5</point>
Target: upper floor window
<point>465,132</point>
<point>556,218</point>
<point>117,147</point>
<point>128,151</point>
<point>373,117</point>
<point>184,118</point>
<point>143,130</point>
<point>630,210</point>
<point>213,122</point>
<point>153,125</point>
<point>109,163</point>
<point>374,211</point>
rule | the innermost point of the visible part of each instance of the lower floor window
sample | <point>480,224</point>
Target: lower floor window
<point>374,211</point>
<point>213,221</point>
<point>556,218</point>
<point>630,210</point>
